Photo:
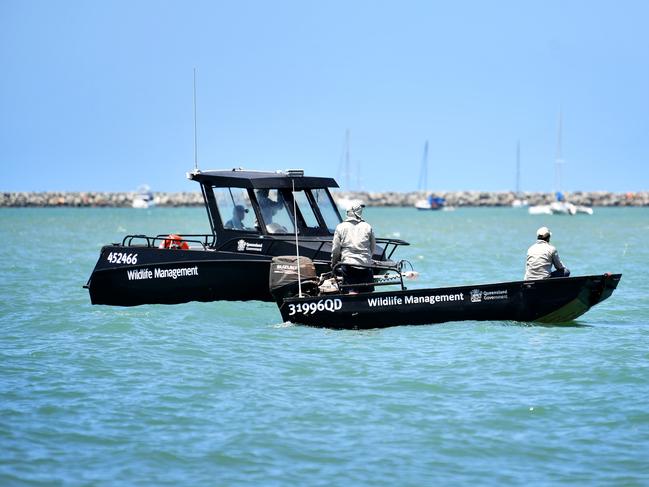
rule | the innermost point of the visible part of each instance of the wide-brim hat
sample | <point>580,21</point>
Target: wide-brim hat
<point>355,205</point>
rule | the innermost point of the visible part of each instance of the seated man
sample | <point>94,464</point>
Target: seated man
<point>541,256</point>
<point>354,243</point>
<point>236,222</point>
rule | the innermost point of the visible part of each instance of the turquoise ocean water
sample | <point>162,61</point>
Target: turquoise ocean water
<point>226,394</point>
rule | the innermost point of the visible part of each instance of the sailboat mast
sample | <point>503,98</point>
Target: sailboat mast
<point>358,175</point>
<point>558,163</point>
<point>347,170</point>
<point>423,172</point>
<point>518,167</point>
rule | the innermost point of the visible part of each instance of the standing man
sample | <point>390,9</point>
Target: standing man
<point>267,205</point>
<point>541,256</point>
<point>353,245</point>
<point>268,209</point>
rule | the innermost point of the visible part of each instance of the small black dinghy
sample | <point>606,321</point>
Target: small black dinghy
<point>557,300</point>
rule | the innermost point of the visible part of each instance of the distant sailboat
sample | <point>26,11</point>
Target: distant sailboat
<point>431,202</point>
<point>345,203</point>
<point>560,206</point>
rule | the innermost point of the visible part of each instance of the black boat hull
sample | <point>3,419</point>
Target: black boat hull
<point>547,301</point>
<point>169,276</point>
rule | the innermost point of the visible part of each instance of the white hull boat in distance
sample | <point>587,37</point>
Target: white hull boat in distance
<point>426,205</point>
<point>519,203</point>
<point>539,210</point>
<point>559,208</point>
<point>143,198</point>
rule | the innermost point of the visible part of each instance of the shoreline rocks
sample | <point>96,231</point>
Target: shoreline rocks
<point>386,198</point>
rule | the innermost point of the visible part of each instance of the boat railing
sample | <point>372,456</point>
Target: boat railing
<point>396,269</point>
<point>389,244</point>
<point>205,241</point>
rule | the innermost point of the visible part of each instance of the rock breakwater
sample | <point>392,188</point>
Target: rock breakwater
<point>505,198</point>
<point>95,199</point>
<point>453,198</point>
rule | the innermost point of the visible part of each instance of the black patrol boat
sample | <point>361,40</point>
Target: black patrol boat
<point>253,216</point>
<point>557,300</point>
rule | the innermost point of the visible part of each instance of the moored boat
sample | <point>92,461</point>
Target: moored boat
<point>430,201</point>
<point>560,208</point>
<point>143,198</point>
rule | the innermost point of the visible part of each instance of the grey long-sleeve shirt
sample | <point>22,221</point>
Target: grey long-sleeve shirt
<point>353,243</point>
<point>540,258</point>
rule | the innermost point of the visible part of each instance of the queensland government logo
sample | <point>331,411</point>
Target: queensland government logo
<point>476,296</point>
<point>243,246</point>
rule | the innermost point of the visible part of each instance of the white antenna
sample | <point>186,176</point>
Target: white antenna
<point>195,132</point>
<point>297,246</point>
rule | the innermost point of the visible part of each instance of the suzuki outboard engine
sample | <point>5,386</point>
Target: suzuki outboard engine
<point>283,278</point>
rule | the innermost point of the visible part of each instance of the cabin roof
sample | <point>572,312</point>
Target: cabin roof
<point>241,178</point>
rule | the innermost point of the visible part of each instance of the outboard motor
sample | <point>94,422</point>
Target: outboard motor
<point>283,280</point>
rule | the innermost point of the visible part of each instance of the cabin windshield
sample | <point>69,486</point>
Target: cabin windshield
<point>274,211</point>
<point>327,208</point>
<point>235,209</point>
<point>270,210</point>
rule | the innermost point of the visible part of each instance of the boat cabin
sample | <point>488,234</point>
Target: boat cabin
<point>251,204</point>
<point>256,212</point>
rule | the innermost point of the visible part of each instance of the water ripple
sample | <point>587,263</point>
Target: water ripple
<point>225,393</point>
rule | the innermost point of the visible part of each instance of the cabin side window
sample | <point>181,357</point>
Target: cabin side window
<point>274,211</point>
<point>327,208</point>
<point>235,209</point>
<point>306,210</point>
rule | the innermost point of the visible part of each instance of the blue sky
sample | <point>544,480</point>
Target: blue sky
<point>98,95</point>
